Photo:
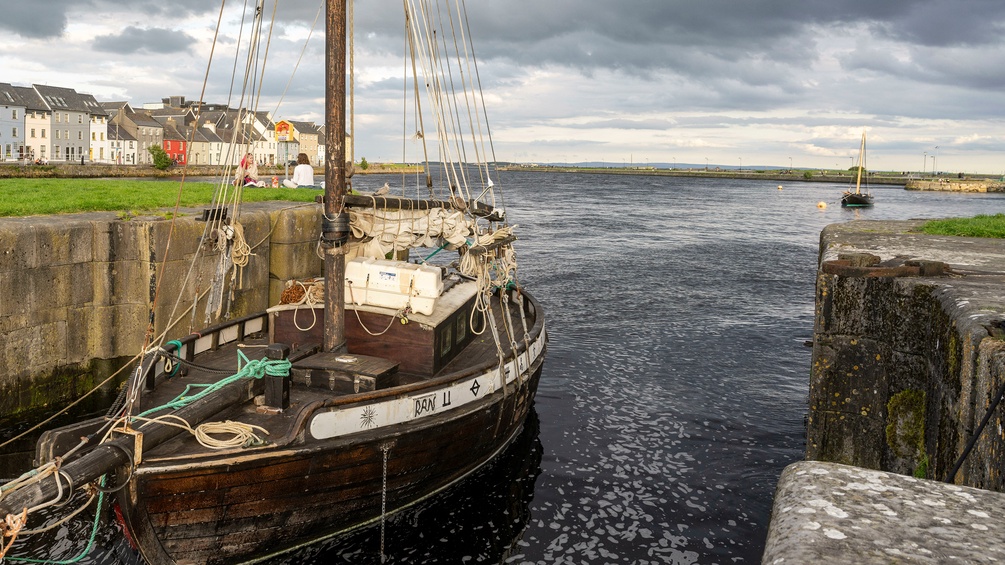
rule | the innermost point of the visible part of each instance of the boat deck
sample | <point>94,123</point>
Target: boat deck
<point>284,427</point>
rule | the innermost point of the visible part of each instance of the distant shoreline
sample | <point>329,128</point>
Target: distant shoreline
<point>774,175</point>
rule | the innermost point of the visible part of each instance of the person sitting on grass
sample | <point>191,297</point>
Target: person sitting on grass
<point>247,172</point>
<point>303,174</point>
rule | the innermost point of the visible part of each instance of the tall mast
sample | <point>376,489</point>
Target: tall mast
<point>335,224</point>
<point>861,153</point>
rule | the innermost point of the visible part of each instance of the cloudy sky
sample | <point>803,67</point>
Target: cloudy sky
<point>728,82</point>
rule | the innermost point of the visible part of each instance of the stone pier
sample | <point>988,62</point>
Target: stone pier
<point>908,359</point>
<point>77,291</point>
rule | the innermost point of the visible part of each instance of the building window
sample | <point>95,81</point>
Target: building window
<point>43,133</point>
<point>66,134</point>
<point>57,117</point>
<point>94,136</point>
<point>33,133</point>
<point>55,151</point>
<point>80,135</point>
<point>80,118</point>
<point>66,116</point>
<point>57,134</point>
<point>13,132</point>
<point>102,136</point>
<point>13,114</point>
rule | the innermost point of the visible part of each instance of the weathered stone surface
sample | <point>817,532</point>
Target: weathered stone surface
<point>80,288</point>
<point>879,338</point>
<point>830,513</point>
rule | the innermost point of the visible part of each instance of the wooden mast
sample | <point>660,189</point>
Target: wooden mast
<point>861,152</point>
<point>335,224</point>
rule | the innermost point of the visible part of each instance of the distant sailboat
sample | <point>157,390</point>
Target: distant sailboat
<point>858,199</point>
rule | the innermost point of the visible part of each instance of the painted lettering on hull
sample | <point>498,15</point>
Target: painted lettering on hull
<point>424,405</point>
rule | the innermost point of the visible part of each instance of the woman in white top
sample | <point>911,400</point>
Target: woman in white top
<point>303,174</point>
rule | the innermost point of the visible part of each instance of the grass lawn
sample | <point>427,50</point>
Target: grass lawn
<point>32,197</point>
<point>978,226</point>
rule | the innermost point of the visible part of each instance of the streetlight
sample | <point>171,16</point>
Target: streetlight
<point>790,164</point>
<point>741,163</point>
<point>924,164</point>
<point>933,166</point>
<point>935,159</point>
<point>706,163</point>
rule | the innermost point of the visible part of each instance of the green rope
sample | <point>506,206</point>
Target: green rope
<point>90,541</point>
<point>256,368</point>
<point>177,348</point>
<point>438,249</point>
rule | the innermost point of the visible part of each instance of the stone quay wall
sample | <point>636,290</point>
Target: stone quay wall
<point>956,185</point>
<point>908,352</point>
<point>908,358</point>
<point>77,291</point>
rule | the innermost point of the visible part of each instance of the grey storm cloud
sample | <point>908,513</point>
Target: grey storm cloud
<point>140,40</point>
<point>24,19</point>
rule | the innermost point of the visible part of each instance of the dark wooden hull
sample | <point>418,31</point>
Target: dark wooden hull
<point>245,504</point>
<point>856,200</point>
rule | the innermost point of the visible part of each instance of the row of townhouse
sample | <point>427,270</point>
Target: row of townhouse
<point>42,123</point>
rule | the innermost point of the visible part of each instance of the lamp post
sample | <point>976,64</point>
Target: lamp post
<point>790,164</point>
<point>935,159</point>
<point>924,164</point>
<point>933,166</point>
<point>706,163</point>
<point>741,163</point>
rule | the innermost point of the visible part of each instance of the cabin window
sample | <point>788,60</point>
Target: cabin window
<point>462,328</point>
<point>447,341</point>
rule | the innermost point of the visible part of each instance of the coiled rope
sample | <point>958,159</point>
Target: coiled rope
<point>253,368</point>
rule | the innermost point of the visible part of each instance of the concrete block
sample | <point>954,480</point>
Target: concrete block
<point>296,225</point>
<point>16,290</point>
<point>129,282</point>
<point>294,261</point>
<point>129,241</point>
<point>830,513</point>
<point>18,249</point>
<point>63,241</point>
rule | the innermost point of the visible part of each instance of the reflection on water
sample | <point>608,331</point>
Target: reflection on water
<point>675,386</point>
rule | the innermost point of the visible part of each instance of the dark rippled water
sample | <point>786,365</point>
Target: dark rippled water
<point>675,387</point>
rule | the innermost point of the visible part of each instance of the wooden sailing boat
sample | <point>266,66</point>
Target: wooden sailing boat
<point>858,199</point>
<point>337,425</point>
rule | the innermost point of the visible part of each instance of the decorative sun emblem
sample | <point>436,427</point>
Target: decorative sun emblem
<point>475,387</point>
<point>367,418</point>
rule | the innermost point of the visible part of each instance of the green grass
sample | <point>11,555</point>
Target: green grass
<point>978,226</point>
<point>31,197</point>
